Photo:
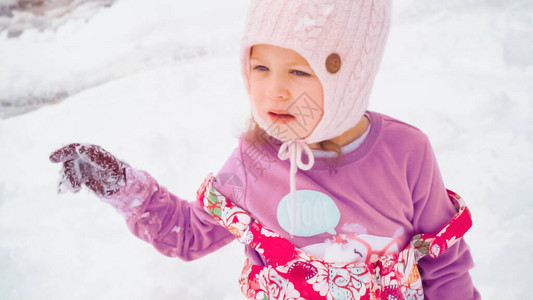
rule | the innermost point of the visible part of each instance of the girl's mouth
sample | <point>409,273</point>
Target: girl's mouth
<point>280,117</point>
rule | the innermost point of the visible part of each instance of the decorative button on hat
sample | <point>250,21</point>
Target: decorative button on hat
<point>333,63</point>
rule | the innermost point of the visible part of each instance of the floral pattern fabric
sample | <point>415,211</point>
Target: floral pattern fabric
<point>294,274</point>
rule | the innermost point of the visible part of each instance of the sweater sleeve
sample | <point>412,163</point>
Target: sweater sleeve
<point>174,226</point>
<point>447,276</point>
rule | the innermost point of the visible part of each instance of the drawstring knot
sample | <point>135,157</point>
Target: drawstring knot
<point>293,149</point>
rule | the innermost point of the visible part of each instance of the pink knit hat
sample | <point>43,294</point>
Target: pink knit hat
<point>343,41</point>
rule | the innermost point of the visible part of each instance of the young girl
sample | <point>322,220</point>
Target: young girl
<point>366,217</point>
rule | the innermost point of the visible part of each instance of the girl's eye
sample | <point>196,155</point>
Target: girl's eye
<point>299,73</point>
<point>261,68</point>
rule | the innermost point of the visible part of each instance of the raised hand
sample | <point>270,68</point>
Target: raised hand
<point>91,165</point>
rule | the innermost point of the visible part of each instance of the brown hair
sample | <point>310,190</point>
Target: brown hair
<point>258,136</point>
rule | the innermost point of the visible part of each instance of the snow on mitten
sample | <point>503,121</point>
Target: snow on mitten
<point>91,165</point>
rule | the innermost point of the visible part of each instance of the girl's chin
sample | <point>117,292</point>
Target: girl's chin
<point>284,129</point>
<point>285,132</point>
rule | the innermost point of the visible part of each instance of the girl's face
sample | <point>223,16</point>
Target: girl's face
<point>286,93</point>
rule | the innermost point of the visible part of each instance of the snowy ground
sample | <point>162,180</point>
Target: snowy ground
<point>159,85</point>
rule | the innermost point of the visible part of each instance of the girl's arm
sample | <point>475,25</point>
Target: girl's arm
<point>175,227</point>
<point>447,276</point>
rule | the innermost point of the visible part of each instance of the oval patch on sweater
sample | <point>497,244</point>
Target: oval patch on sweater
<point>316,213</point>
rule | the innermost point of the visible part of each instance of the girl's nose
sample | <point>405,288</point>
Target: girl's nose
<point>278,89</point>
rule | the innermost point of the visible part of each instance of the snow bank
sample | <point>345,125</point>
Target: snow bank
<point>159,85</point>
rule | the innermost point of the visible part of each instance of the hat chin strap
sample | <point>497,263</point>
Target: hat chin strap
<point>292,149</point>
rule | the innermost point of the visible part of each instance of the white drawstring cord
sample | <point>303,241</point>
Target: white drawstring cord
<point>292,149</point>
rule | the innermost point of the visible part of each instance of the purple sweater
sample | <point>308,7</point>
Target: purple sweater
<point>370,203</point>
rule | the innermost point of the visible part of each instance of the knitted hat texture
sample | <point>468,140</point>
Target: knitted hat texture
<point>343,41</point>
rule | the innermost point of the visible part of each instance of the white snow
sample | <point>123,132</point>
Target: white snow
<point>159,85</point>
<point>8,2</point>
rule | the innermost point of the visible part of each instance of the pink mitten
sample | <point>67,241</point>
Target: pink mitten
<point>91,165</point>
